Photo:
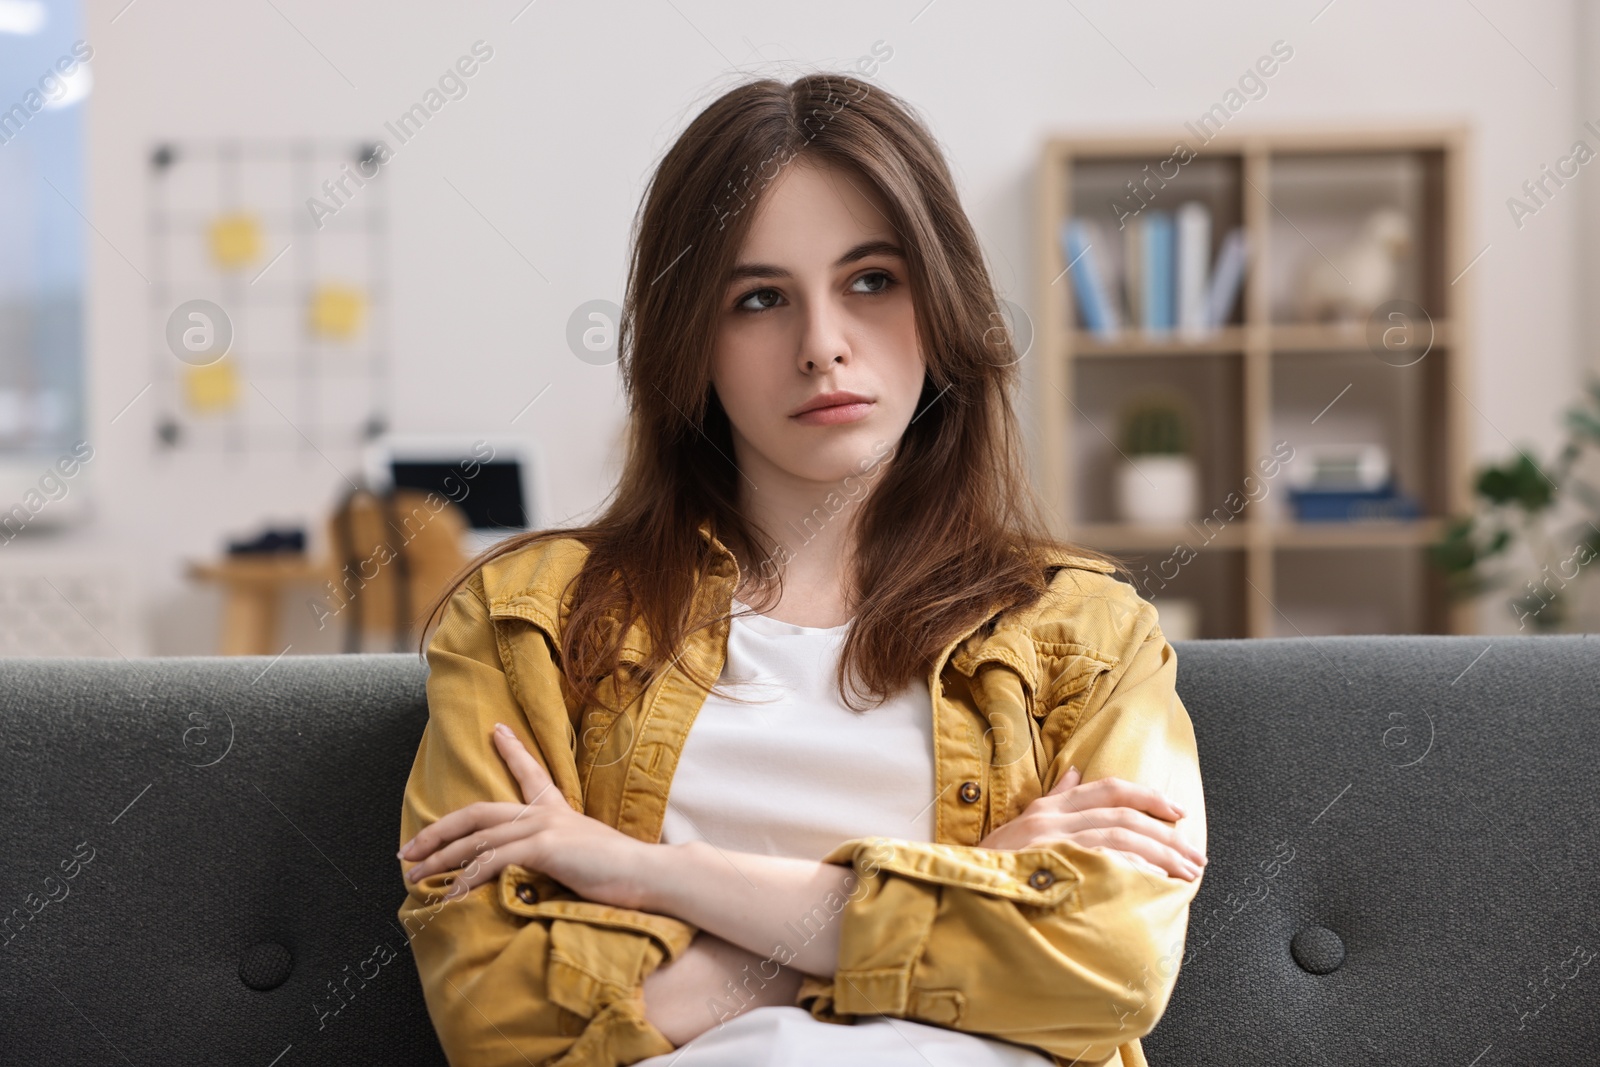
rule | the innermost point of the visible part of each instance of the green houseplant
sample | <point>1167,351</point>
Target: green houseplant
<point>1158,482</point>
<point>1534,529</point>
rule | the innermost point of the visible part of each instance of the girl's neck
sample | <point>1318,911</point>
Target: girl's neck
<point>815,582</point>
<point>813,526</point>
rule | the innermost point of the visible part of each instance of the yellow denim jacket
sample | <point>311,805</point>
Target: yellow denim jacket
<point>1073,951</point>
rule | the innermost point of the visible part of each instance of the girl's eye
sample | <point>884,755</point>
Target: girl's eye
<point>877,281</point>
<point>757,295</point>
<point>884,280</point>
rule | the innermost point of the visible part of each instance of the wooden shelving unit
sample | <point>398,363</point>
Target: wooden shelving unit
<point>1262,573</point>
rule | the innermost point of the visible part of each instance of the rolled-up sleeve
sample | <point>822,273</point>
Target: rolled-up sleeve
<point>518,970</point>
<point>1069,949</point>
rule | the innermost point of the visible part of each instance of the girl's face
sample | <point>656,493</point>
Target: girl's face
<point>819,302</point>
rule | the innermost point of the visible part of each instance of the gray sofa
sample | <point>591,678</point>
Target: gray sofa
<point>1402,838</point>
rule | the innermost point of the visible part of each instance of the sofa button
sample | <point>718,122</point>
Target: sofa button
<point>526,893</point>
<point>970,792</point>
<point>1043,878</point>
<point>1317,950</point>
<point>265,966</point>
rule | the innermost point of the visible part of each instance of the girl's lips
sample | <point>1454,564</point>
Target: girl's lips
<point>837,413</point>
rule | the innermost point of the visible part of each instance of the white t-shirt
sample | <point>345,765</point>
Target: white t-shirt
<point>796,775</point>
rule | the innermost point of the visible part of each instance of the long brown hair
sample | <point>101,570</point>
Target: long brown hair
<point>952,526</point>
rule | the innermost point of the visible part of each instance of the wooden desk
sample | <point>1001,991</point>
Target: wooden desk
<point>431,534</point>
<point>252,587</point>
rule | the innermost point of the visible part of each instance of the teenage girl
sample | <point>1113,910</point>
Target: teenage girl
<point>652,810</point>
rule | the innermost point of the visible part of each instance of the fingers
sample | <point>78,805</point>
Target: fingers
<point>482,855</point>
<point>1113,792</point>
<point>535,781</point>
<point>1068,781</point>
<point>1143,850</point>
<point>1126,841</point>
<point>1179,870</point>
<point>1162,834</point>
<point>1161,842</point>
<point>460,823</point>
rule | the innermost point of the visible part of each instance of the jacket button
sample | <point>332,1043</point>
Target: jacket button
<point>526,894</point>
<point>1041,879</point>
<point>970,791</point>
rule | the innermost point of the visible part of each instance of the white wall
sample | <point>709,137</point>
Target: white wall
<point>559,131</point>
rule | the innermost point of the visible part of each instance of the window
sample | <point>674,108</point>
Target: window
<point>44,78</point>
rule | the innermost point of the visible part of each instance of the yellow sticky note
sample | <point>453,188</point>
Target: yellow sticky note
<point>235,240</point>
<point>213,387</point>
<point>336,311</point>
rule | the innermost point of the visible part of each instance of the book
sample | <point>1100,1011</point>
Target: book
<point>1352,505</point>
<point>1133,266</point>
<point>1336,468</point>
<point>1193,254</point>
<point>1108,262</point>
<point>1226,278</point>
<point>1157,260</point>
<point>1099,312</point>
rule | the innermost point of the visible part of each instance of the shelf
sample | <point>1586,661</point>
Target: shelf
<point>1240,533</point>
<point>1391,534</point>
<point>1313,337</point>
<point>1275,374</point>
<point>1281,337</point>
<point>1369,591</point>
<point>1209,385</point>
<point>1124,535</point>
<point>1135,342</point>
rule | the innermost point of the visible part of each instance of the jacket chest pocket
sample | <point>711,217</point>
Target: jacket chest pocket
<point>590,744</point>
<point>1000,685</point>
<point>597,741</point>
<point>1071,675</point>
<point>1028,700</point>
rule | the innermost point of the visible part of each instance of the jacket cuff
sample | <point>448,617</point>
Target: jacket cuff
<point>599,954</point>
<point>816,997</point>
<point>1037,876</point>
<point>890,912</point>
<point>619,1034</point>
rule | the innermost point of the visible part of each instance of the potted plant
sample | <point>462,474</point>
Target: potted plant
<point>1534,529</point>
<point>1158,482</point>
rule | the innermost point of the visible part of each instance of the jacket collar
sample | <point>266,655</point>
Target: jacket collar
<point>514,591</point>
<point>1007,644</point>
<point>728,566</point>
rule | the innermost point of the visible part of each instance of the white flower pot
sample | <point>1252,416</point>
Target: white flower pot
<point>1158,490</point>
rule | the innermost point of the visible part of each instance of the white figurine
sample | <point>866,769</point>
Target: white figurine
<point>1353,280</point>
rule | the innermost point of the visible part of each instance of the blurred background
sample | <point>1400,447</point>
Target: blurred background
<point>301,304</point>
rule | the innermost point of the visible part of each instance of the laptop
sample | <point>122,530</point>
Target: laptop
<point>493,480</point>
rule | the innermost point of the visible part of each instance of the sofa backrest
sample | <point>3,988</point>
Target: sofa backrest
<point>1401,837</point>
<point>220,833</point>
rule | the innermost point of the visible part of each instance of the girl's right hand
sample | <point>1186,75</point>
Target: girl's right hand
<point>1123,816</point>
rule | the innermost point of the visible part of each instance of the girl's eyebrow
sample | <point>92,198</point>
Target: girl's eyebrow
<point>860,251</point>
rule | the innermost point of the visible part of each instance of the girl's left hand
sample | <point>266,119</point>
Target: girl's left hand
<point>596,861</point>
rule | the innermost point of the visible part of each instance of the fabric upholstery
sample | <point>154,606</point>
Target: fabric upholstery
<point>1402,857</point>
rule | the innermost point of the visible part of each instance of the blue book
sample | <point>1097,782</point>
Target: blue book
<point>1352,505</point>
<point>1160,272</point>
<point>1088,282</point>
